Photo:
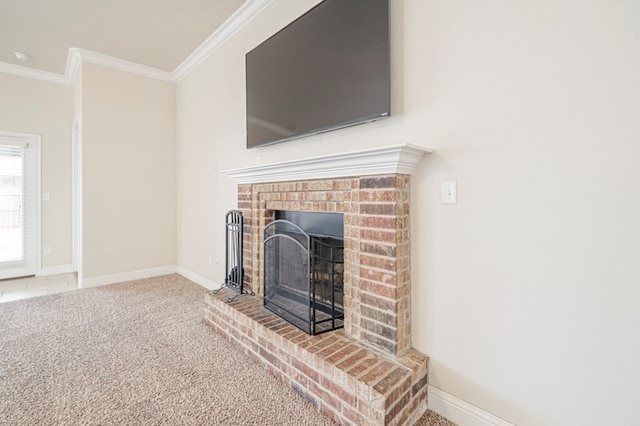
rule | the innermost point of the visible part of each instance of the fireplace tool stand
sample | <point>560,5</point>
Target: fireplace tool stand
<point>234,273</point>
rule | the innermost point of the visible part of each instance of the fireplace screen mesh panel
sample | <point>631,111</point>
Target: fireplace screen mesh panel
<point>303,277</point>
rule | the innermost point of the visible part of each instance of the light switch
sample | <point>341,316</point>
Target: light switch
<point>46,196</point>
<point>449,192</point>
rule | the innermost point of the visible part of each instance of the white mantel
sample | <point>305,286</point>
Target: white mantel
<point>395,159</point>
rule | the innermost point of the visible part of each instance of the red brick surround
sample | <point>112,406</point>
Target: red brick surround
<point>376,247</point>
<point>366,373</point>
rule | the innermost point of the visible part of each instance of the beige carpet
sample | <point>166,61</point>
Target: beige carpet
<point>135,353</point>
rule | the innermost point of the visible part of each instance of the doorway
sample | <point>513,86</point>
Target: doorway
<point>19,204</point>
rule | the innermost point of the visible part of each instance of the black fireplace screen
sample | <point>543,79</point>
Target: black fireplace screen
<point>303,277</point>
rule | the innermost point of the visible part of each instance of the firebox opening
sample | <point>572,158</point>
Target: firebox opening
<point>304,269</point>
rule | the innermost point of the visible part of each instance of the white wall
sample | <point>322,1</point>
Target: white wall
<point>211,138</point>
<point>129,172</point>
<point>528,284</point>
<point>525,293</point>
<point>34,106</point>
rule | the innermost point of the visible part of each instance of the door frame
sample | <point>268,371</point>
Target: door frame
<point>76,197</point>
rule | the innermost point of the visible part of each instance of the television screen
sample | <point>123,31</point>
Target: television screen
<point>328,69</point>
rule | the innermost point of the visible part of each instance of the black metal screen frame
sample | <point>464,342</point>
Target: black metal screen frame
<point>307,317</point>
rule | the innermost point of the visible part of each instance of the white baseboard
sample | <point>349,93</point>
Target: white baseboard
<point>198,279</point>
<point>56,270</point>
<point>126,276</point>
<point>460,412</point>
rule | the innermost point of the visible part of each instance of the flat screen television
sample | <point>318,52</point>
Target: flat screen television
<point>328,69</point>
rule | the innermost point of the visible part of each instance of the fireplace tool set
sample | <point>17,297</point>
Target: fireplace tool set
<point>234,273</point>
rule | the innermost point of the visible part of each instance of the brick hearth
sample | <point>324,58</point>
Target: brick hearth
<point>342,378</point>
<point>366,373</point>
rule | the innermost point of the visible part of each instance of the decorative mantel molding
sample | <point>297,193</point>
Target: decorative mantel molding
<point>396,159</point>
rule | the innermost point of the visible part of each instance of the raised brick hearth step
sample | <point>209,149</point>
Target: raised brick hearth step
<point>342,378</point>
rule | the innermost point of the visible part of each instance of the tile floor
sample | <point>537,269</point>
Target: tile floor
<point>23,288</point>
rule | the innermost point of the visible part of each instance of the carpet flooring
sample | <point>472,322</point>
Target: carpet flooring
<point>136,353</point>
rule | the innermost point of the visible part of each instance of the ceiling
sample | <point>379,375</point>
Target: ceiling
<point>156,33</point>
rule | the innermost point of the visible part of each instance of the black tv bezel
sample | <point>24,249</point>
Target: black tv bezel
<point>335,126</point>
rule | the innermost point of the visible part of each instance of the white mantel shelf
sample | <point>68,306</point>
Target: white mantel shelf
<point>395,159</point>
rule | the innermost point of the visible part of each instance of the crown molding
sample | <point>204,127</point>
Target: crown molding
<point>76,56</point>
<point>122,65</point>
<point>73,64</point>
<point>395,159</point>
<point>37,74</point>
<point>233,24</point>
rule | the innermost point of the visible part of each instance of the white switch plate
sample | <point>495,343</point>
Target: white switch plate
<point>46,196</point>
<point>449,192</point>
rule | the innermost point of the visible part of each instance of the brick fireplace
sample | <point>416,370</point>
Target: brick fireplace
<point>366,373</point>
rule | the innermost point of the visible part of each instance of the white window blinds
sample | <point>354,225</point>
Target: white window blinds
<point>13,202</point>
